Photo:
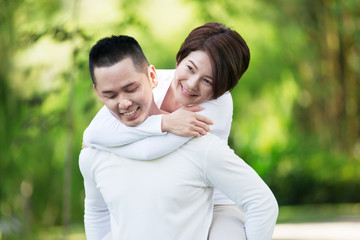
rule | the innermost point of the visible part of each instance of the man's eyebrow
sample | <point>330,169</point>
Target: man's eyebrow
<point>107,92</point>
<point>128,85</point>
<point>123,87</point>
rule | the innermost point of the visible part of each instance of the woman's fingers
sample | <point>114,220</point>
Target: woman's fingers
<point>186,122</point>
<point>204,119</point>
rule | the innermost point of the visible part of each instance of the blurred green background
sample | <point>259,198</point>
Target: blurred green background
<point>296,110</point>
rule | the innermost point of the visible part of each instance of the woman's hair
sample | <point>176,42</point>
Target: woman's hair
<point>228,52</point>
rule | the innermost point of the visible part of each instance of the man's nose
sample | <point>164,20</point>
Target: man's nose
<point>124,103</point>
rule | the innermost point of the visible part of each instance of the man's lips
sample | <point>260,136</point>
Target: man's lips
<point>127,114</point>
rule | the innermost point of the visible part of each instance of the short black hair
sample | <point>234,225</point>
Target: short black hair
<point>111,50</point>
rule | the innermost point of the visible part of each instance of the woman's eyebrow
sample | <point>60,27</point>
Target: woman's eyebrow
<point>193,64</point>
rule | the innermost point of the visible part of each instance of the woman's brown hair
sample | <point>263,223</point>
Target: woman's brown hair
<point>228,52</point>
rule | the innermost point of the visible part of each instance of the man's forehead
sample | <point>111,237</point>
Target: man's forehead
<point>119,76</point>
<point>110,89</point>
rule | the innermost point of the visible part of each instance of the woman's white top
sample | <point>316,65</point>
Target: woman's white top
<point>146,141</point>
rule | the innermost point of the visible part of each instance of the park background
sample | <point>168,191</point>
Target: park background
<point>296,110</point>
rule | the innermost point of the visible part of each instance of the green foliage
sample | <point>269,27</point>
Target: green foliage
<point>318,213</point>
<point>296,117</point>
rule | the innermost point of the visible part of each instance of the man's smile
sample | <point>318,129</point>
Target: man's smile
<point>127,114</point>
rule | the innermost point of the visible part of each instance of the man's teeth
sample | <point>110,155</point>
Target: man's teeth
<point>129,113</point>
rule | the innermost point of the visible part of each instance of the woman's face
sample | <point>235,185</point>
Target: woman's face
<point>193,80</point>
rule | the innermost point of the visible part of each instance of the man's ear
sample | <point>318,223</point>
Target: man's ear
<point>153,76</point>
<point>94,86</point>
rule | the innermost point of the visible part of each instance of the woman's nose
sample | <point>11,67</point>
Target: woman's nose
<point>193,83</point>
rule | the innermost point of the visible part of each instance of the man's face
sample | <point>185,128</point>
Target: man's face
<point>126,92</point>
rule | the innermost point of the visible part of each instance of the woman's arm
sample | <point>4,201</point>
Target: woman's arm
<point>219,110</point>
<point>106,130</point>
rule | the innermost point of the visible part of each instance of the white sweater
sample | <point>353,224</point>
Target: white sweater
<point>108,133</point>
<point>171,197</point>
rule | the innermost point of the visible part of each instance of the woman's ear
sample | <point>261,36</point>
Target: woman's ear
<point>153,76</point>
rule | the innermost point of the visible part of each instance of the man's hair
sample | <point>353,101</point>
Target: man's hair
<point>111,50</point>
<point>228,52</point>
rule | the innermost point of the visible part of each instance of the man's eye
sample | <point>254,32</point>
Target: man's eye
<point>111,96</point>
<point>132,90</point>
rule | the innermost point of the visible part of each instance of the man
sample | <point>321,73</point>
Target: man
<point>168,197</point>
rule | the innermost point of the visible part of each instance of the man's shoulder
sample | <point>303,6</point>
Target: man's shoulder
<point>89,154</point>
<point>207,141</point>
<point>92,158</point>
<point>208,149</point>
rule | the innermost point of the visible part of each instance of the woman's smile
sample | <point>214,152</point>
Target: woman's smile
<point>187,93</point>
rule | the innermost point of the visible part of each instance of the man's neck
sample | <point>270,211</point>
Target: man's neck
<point>155,110</point>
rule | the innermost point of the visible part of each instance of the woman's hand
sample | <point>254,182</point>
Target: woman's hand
<point>186,122</point>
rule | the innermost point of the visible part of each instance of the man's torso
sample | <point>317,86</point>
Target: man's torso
<point>166,198</point>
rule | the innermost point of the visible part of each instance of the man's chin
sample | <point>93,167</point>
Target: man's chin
<point>131,123</point>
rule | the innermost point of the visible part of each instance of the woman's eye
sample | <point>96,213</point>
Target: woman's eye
<point>111,96</point>
<point>191,68</point>
<point>208,81</point>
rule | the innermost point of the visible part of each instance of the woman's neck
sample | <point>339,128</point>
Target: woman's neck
<point>169,103</point>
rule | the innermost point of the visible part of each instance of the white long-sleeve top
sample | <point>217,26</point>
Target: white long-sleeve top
<point>143,142</point>
<point>171,197</point>
<point>107,131</point>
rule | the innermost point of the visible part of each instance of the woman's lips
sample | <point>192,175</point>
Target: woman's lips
<point>186,92</point>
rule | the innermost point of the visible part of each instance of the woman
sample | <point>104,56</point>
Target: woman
<point>209,63</point>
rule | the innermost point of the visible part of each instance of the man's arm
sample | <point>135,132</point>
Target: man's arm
<point>97,215</point>
<point>233,177</point>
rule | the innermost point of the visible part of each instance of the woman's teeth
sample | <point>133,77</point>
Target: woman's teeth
<point>188,92</point>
